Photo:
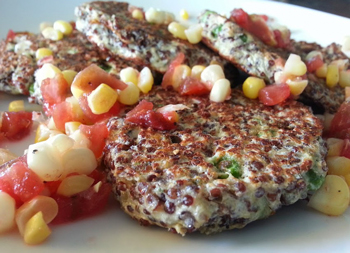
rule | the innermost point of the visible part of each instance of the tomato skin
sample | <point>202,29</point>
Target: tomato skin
<point>20,182</point>
<point>340,125</point>
<point>144,116</point>
<point>193,86</point>
<point>97,134</point>
<point>16,125</point>
<point>314,63</point>
<point>10,35</point>
<point>274,94</point>
<point>168,76</point>
<point>54,90</point>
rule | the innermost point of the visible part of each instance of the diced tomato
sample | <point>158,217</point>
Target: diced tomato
<point>54,90</point>
<point>193,86</point>
<point>10,35</point>
<point>16,125</point>
<point>20,182</point>
<point>62,113</point>
<point>274,94</point>
<point>97,135</point>
<point>346,149</point>
<point>314,63</point>
<point>144,116</point>
<point>89,78</point>
<point>46,59</point>
<point>168,76</point>
<point>94,118</point>
<point>52,186</point>
<point>283,40</point>
<point>84,204</point>
<point>340,125</point>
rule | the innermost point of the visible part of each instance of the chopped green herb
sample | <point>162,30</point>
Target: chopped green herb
<point>215,32</point>
<point>223,176</point>
<point>31,89</point>
<point>244,38</point>
<point>105,67</point>
<point>230,165</point>
<point>315,181</point>
<point>205,15</point>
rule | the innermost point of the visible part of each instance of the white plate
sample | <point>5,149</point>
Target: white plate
<point>292,229</point>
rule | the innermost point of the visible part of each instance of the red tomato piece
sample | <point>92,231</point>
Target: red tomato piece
<point>282,41</point>
<point>89,78</point>
<point>274,94</point>
<point>340,125</point>
<point>168,76</point>
<point>10,35</point>
<point>62,113</point>
<point>46,59</point>
<point>97,134</point>
<point>144,116</point>
<point>20,182</point>
<point>16,125</point>
<point>314,63</point>
<point>94,118</point>
<point>193,86</point>
<point>54,90</point>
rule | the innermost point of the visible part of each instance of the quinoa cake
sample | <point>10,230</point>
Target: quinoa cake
<point>254,57</point>
<point>75,52</point>
<point>224,166</point>
<point>111,26</point>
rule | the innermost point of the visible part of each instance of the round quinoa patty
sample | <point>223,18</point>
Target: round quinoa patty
<point>224,166</point>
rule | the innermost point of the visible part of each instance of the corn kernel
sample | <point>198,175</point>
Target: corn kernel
<point>137,14</point>
<point>102,99</point>
<point>52,34</point>
<point>6,155</point>
<point>180,73</point>
<point>159,17</point>
<point>346,44</point>
<point>347,93</point>
<point>74,184</point>
<point>146,80</point>
<point>71,127</point>
<point>16,106</point>
<point>63,26</point>
<point>344,78</point>
<point>7,212</point>
<point>194,33</point>
<point>197,71</point>
<point>252,86</point>
<point>129,74</point>
<point>42,52</point>
<point>313,54</point>
<point>341,63</point>
<point>335,146</point>
<point>79,160</point>
<point>347,179</point>
<point>295,66</point>
<point>220,91</point>
<point>177,30</point>
<point>321,72</point>
<point>184,14</point>
<point>48,70</point>
<point>36,230</point>
<point>69,75</point>
<point>42,133</point>
<point>297,87</point>
<point>338,165</point>
<point>211,74</point>
<point>333,196</point>
<point>332,77</point>
<point>43,25</point>
<point>97,186</point>
<point>130,95</point>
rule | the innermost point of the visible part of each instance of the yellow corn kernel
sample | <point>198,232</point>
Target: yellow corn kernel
<point>138,14</point>
<point>146,80</point>
<point>295,66</point>
<point>338,165</point>
<point>7,212</point>
<point>97,186</point>
<point>321,72</point>
<point>42,52</point>
<point>220,91</point>
<point>74,184</point>
<point>43,25</point>
<point>194,33</point>
<point>184,14</point>
<point>102,99</point>
<point>130,95</point>
<point>42,133</point>
<point>69,75</point>
<point>75,107</point>
<point>71,127</point>
<point>211,74</point>
<point>197,71</point>
<point>129,74</point>
<point>177,30</point>
<point>333,196</point>
<point>344,78</point>
<point>16,106</point>
<point>335,146</point>
<point>63,26</point>
<point>180,73</point>
<point>252,86</point>
<point>297,87</point>
<point>48,70</point>
<point>332,77</point>
<point>347,179</point>
<point>341,63</point>
<point>52,34</point>
<point>36,230</point>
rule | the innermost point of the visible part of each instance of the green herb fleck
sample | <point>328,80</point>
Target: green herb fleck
<point>244,38</point>
<point>215,32</point>
<point>105,67</point>
<point>31,89</point>
<point>223,176</point>
<point>230,165</point>
<point>205,15</point>
<point>315,181</point>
